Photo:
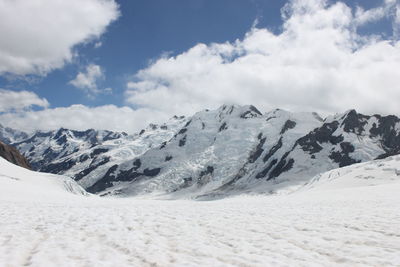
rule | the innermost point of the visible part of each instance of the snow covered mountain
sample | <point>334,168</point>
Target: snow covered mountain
<point>88,155</point>
<point>9,135</point>
<point>231,149</point>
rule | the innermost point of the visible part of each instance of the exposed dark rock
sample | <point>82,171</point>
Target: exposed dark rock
<point>58,167</point>
<point>164,127</point>
<point>204,176</point>
<point>113,136</point>
<point>59,133</point>
<point>288,125</point>
<point>61,140</point>
<point>136,164</point>
<point>94,165</point>
<point>182,131</point>
<point>347,147</point>
<point>123,175</point>
<point>142,131</point>
<point>98,151</point>
<point>49,154</point>
<point>390,138</point>
<point>251,113</point>
<point>168,158</point>
<point>255,110</point>
<point>187,124</point>
<point>265,171</point>
<point>182,142</point>
<point>163,144</point>
<point>187,182</point>
<point>83,158</point>
<point>342,157</point>
<point>273,150</point>
<point>151,172</point>
<point>354,122</point>
<point>12,155</point>
<point>254,155</point>
<point>388,154</point>
<point>284,165</point>
<point>223,127</point>
<point>324,134</point>
<point>107,180</point>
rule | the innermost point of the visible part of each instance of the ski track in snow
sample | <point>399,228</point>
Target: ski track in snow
<point>351,227</point>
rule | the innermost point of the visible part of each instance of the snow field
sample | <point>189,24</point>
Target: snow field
<point>356,227</point>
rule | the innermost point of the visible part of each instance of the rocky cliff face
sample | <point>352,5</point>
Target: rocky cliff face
<point>231,149</point>
<point>12,155</point>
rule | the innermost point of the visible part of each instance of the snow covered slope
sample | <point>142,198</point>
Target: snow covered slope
<point>372,173</point>
<point>215,152</point>
<point>20,184</point>
<point>322,225</point>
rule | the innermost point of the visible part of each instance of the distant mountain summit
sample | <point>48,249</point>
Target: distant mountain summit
<point>9,135</point>
<point>215,152</point>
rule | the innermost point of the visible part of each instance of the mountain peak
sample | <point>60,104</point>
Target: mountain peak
<point>244,112</point>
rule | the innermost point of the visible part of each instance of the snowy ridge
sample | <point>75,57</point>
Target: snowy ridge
<point>229,150</point>
<point>372,173</point>
<point>20,184</point>
<point>8,135</point>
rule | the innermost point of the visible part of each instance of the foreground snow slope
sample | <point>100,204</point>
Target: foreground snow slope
<point>20,184</point>
<point>348,216</point>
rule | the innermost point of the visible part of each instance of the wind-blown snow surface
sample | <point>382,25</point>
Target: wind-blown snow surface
<point>347,216</point>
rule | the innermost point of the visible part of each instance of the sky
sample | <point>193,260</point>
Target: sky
<point>122,64</point>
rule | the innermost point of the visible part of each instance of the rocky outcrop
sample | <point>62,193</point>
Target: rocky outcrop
<point>12,155</point>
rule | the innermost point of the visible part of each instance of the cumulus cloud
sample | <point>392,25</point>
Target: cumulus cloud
<point>374,14</point>
<point>19,101</point>
<point>318,62</point>
<point>39,35</point>
<point>87,81</point>
<point>81,117</point>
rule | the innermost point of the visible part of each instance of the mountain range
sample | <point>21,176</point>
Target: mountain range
<point>231,150</point>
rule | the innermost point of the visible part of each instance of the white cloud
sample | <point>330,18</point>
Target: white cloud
<point>318,62</point>
<point>396,23</point>
<point>81,117</point>
<point>39,35</point>
<point>87,81</point>
<point>98,44</point>
<point>18,101</point>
